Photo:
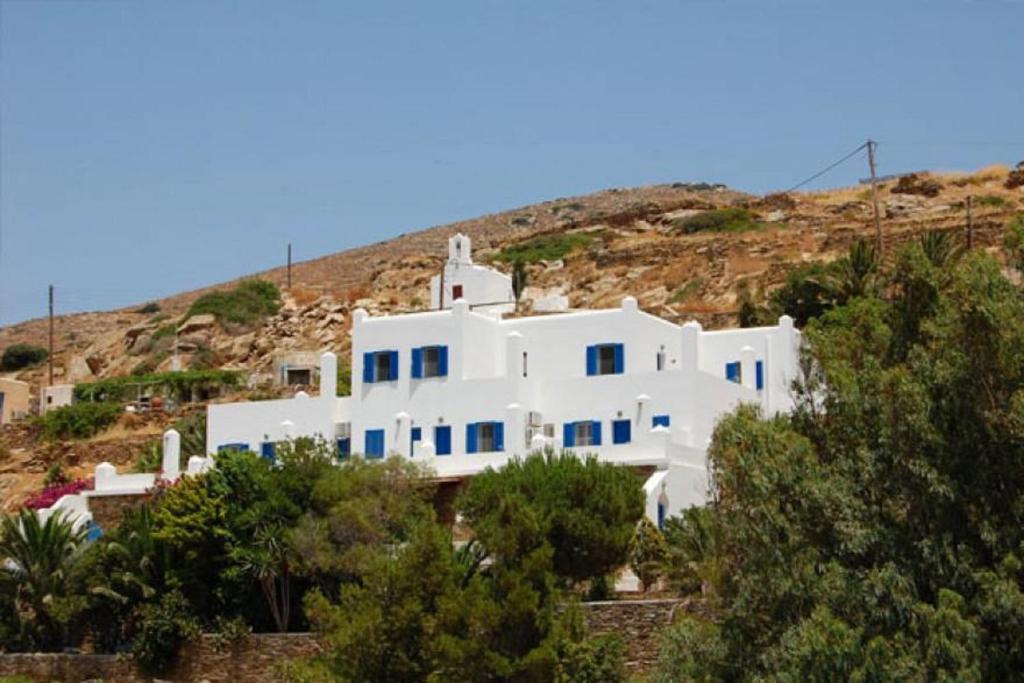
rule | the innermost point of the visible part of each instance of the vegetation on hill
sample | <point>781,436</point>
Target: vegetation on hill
<point>545,247</point>
<point>21,356</point>
<point>249,302</point>
<point>733,219</point>
<point>874,534</point>
<point>78,420</point>
<point>178,385</point>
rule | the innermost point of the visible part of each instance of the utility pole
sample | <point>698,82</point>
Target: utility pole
<point>289,265</point>
<point>874,198</point>
<point>970,221</point>
<point>50,354</point>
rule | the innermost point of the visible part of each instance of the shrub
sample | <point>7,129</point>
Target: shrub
<point>20,356</point>
<point>78,420</point>
<point>544,247</point>
<point>598,659</point>
<point>733,219</point>
<point>1013,242</point>
<point>54,492</point>
<point>648,552</point>
<point>178,384</point>
<point>991,200</point>
<point>151,307</point>
<point>163,627</point>
<point>248,302</point>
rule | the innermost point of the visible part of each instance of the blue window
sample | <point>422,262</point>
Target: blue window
<point>380,366</point>
<point>606,359</point>
<point>267,449</point>
<point>582,433</point>
<point>374,443</point>
<point>430,361</point>
<point>661,515</point>
<point>344,448</point>
<point>232,447</point>
<point>661,421</point>
<point>621,431</point>
<point>760,375</point>
<point>443,440</point>
<point>485,437</point>
<point>415,434</point>
<point>733,372</point>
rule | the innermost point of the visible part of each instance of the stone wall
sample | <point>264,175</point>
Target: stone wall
<point>639,623</point>
<point>252,659</point>
<point>107,511</point>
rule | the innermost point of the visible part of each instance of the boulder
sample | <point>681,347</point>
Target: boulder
<point>203,321</point>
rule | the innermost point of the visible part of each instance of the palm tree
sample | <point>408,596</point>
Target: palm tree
<point>940,249</point>
<point>856,274</point>
<point>268,560</point>
<point>39,556</point>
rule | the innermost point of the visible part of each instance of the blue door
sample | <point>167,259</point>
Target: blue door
<point>344,448</point>
<point>414,435</point>
<point>374,443</point>
<point>443,440</point>
<point>267,450</point>
<point>621,431</point>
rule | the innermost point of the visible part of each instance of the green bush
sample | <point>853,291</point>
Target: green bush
<point>163,627</point>
<point>990,200</point>
<point>545,247</point>
<point>648,552</point>
<point>248,302</point>
<point>78,420</point>
<point>151,307</point>
<point>177,384</point>
<point>1013,242</point>
<point>20,356</point>
<point>732,219</point>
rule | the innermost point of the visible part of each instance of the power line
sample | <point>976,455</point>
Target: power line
<point>828,168</point>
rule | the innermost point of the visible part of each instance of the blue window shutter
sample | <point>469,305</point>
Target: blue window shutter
<point>267,450</point>
<point>621,431</point>
<point>499,436</point>
<point>368,368</point>
<point>417,363</point>
<point>393,362</point>
<point>620,359</point>
<point>595,433</point>
<point>442,361</point>
<point>471,437</point>
<point>760,375</point>
<point>591,360</point>
<point>661,515</point>
<point>569,435</point>
<point>732,372</point>
<point>415,434</point>
<point>443,440</point>
<point>661,421</point>
<point>374,443</point>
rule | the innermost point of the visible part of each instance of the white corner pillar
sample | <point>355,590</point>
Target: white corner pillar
<point>328,376</point>
<point>515,429</point>
<point>171,464</point>
<point>104,476</point>
<point>403,435</point>
<point>689,346</point>
<point>460,311</point>
<point>748,367</point>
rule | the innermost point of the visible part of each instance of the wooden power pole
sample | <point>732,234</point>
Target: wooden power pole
<point>874,198</point>
<point>970,221</point>
<point>289,265</point>
<point>50,354</point>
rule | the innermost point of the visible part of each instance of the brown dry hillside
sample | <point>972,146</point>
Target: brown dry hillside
<point>627,241</point>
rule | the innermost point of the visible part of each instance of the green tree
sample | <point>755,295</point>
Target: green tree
<point>21,356</point>
<point>587,510</point>
<point>648,553</point>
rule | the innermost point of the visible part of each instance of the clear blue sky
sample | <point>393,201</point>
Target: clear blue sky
<point>153,147</point>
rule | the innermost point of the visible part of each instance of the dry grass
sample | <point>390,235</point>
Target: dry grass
<point>303,296</point>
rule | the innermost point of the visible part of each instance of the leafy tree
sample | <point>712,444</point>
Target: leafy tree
<point>520,277</point>
<point>587,510</point>
<point>37,558</point>
<point>21,356</point>
<point>876,533</point>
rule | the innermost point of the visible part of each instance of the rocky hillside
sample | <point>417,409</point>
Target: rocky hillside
<point>684,250</point>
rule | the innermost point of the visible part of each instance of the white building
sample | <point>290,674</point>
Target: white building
<point>483,288</point>
<point>462,390</point>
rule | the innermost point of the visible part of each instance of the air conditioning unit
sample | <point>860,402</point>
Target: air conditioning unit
<point>534,419</point>
<point>343,430</point>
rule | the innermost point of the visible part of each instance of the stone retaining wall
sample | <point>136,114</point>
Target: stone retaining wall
<point>639,623</point>
<point>251,659</point>
<point>107,511</point>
